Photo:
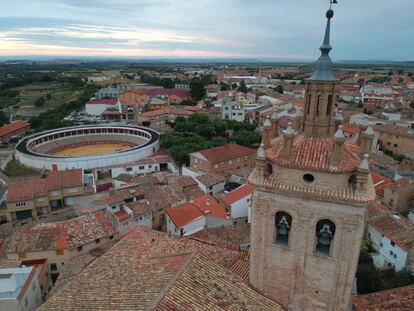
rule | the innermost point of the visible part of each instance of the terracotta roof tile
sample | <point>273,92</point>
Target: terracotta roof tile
<point>226,152</point>
<point>184,214</point>
<point>313,153</point>
<point>398,299</point>
<point>237,194</point>
<point>29,189</point>
<point>12,127</point>
<point>150,270</point>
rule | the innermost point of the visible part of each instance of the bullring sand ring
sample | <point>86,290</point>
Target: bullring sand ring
<point>93,149</point>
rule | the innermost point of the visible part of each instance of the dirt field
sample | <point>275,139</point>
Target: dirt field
<point>92,149</point>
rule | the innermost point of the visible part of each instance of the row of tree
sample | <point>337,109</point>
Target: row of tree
<point>198,132</point>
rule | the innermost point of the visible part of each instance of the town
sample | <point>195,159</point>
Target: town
<point>207,185</point>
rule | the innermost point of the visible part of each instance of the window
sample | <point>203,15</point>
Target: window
<point>381,245</point>
<point>269,169</point>
<point>392,243</point>
<point>309,104</point>
<point>21,204</point>
<point>283,224</point>
<point>129,169</point>
<point>59,252</point>
<point>80,248</point>
<point>97,241</point>
<point>111,237</point>
<point>26,301</point>
<point>329,106</point>
<point>352,182</point>
<point>318,105</point>
<point>308,178</point>
<point>395,145</point>
<point>53,267</point>
<point>324,234</point>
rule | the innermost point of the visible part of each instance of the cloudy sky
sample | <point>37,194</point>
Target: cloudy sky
<point>279,29</point>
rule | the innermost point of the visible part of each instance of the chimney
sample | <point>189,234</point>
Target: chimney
<point>275,125</point>
<point>261,161</point>
<point>362,176</point>
<point>338,143</point>
<point>288,136</point>
<point>267,135</point>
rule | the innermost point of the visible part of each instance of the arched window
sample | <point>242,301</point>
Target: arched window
<point>269,169</point>
<point>309,103</point>
<point>283,224</point>
<point>318,105</point>
<point>352,182</point>
<point>324,232</point>
<point>329,107</point>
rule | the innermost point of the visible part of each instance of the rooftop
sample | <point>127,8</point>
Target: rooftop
<point>67,234</point>
<point>8,129</point>
<point>238,194</point>
<point>154,271</point>
<point>209,180</point>
<point>398,299</point>
<point>25,190</point>
<point>396,228</point>
<point>395,130</point>
<point>313,153</point>
<point>226,152</point>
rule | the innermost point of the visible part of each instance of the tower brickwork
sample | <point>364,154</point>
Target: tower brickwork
<point>311,192</point>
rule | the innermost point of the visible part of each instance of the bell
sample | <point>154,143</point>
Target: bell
<point>325,235</point>
<point>283,226</point>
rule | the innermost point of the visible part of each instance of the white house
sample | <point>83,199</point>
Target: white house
<point>210,183</point>
<point>191,217</point>
<point>232,111</point>
<point>19,289</point>
<point>239,201</point>
<point>392,236</point>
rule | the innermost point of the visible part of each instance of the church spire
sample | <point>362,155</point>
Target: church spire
<point>323,69</point>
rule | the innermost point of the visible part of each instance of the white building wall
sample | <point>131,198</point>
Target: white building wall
<point>240,208</point>
<point>390,254</point>
<point>95,109</point>
<point>145,220</point>
<point>188,229</point>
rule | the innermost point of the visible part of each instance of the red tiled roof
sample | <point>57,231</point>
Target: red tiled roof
<point>351,128</point>
<point>313,153</point>
<point>183,93</point>
<point>168,110</point>
<point>12,127</point>
<point>163,273</point>
<point>380,182</point>
<point>377,209</point>
<point>210,206</point>
<point>396,228</point>
<point>395,130</point>
<point>61,235</point>
<point>103,101</point>
<point>400,183</point>
<point>122,215</point>
<point>398,299</point>
<point>184,214</point>
<point>226,152</point>
<point>29,189</point>
<point>238,194</point>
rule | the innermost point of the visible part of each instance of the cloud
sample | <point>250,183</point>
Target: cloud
<point>369,29</point>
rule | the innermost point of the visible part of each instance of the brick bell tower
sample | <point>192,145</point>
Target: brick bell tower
<point>311,192</point>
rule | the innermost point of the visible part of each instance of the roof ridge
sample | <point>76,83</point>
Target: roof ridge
<point>164,291</point>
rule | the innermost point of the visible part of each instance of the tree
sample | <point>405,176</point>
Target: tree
<point>280,89</point>
<point>242,87</point>
<point>368,279</point>
<point>401,278</point>
<point>224,86</point>
<point>3,118</point>
<point>167,83</point>
<point>188,102</point>
<point>197,89</point>
<point>400,71</point>
<point>390,73</point>
<point>40,102</point>
<point>247,138</point>
<point>234,86</point>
